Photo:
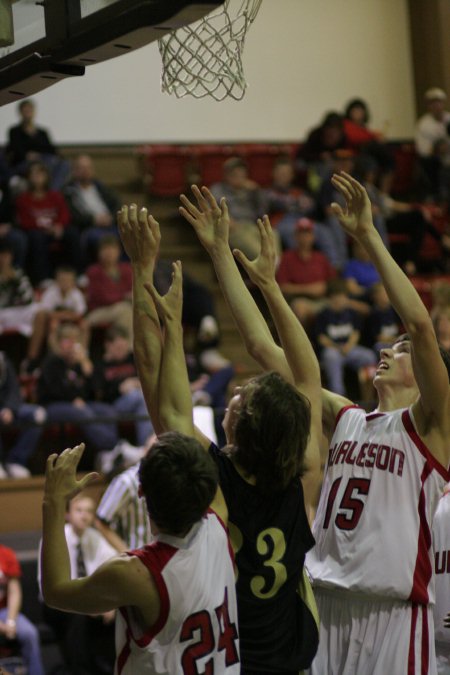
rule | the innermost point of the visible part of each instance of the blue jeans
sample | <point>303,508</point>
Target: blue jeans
<point>333,363</point>
<point>28,438</point>
<point>28,637</point>
<point>17,239</point>
<point>133,403</point>
<point>101,435</point>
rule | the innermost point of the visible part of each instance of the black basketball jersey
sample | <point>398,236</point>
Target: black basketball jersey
<point>270,536</point>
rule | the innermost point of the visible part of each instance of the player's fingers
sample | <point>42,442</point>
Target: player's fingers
<point>154,226</point>
<point>337,210</point>
<point>51,459</point>
<point>189,206</point>
<point>187,216</point>
<point>212,202</point>
<point>340,184</point>
<point>241,258</point>
<point>202,202</point>
<point>133,214</point>
<point>143,218</point>
<point>224,207</point>
<point>87,480</point>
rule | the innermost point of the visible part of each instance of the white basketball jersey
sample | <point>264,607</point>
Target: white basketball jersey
<point>380,492</point>
<point>196,631</point>
<point>441,546</point>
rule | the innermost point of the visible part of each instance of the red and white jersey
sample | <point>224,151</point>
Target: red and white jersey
<point>380,492</point>
<point>196,631</point>
<point>441,546</point>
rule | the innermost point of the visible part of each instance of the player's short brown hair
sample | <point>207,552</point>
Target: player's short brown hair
<point>272,432</point>
<point>179,480</point>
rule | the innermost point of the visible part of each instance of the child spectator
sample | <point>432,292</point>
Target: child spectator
<point>65,388</point>
<point>116,382</point>
<point>14,411</point>
<point>109,287</point>
<point>382,325</point>
<point>87,642</point>
<point>17,309</point>
<point>92,205</point>
<point>286,202</point>
<point>43,215</point>
<point>61,302</point>
<point>303,273</point>
<point>338,330</point>
<point>13,624</point>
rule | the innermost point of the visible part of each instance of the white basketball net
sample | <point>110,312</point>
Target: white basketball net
<point>205,58</point>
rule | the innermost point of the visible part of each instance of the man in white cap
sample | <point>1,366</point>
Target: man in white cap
<point>432,137</point>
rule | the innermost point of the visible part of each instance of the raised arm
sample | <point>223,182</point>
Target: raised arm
<point>297,348</point>
<point>140,236</point>
<point>211,223</point>
<point>429,369</point>
<point>174,394</point>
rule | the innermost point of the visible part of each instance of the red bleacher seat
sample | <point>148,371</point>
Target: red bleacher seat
<point>166,166</point>
<point>209,160</point>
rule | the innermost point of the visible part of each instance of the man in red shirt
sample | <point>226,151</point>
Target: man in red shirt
<point>304,273</point>
<point>109,289</point>
<point>13,624</point>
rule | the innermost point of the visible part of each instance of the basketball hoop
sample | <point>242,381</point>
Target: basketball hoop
<point>205,58</point>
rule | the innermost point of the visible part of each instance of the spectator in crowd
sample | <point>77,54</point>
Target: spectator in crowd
<point>92,205</point>
<point>360,275</point>
<point>391,216</point>
<point>360,138</point>
<point>8,232</point>
<point>61,302</point>
<point>304,273</point>
<point>14,411</point>
<point>109,287</point>
<point>246,203</point>
<point>116,382</point>
<point>382,325</point>
<point>17,306</point>
<point>29,143</point>
<point>338,330</point>
<point>43,215</point>
<point>65,388</point>
<point>318,149</point>
<point>13,624</point>
<point>87,642</point>
<point>286,202</point>
<point>334,244</point>
<point>432,139</point>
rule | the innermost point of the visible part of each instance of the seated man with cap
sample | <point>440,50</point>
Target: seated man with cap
<point>304,273</point>
<point>432,139</point>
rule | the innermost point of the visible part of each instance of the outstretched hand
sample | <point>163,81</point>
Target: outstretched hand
<point>356,217</point>
<point>170,305</point>
<point>262,269</point>
<point>61,474</point>
<point>140,234</point>
<point>210,221</point>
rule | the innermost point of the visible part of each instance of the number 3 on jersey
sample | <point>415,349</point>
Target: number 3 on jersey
<point>351,505</point>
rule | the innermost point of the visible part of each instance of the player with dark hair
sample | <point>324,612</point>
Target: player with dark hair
<point>267,426</point>
<point>168,592</point>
